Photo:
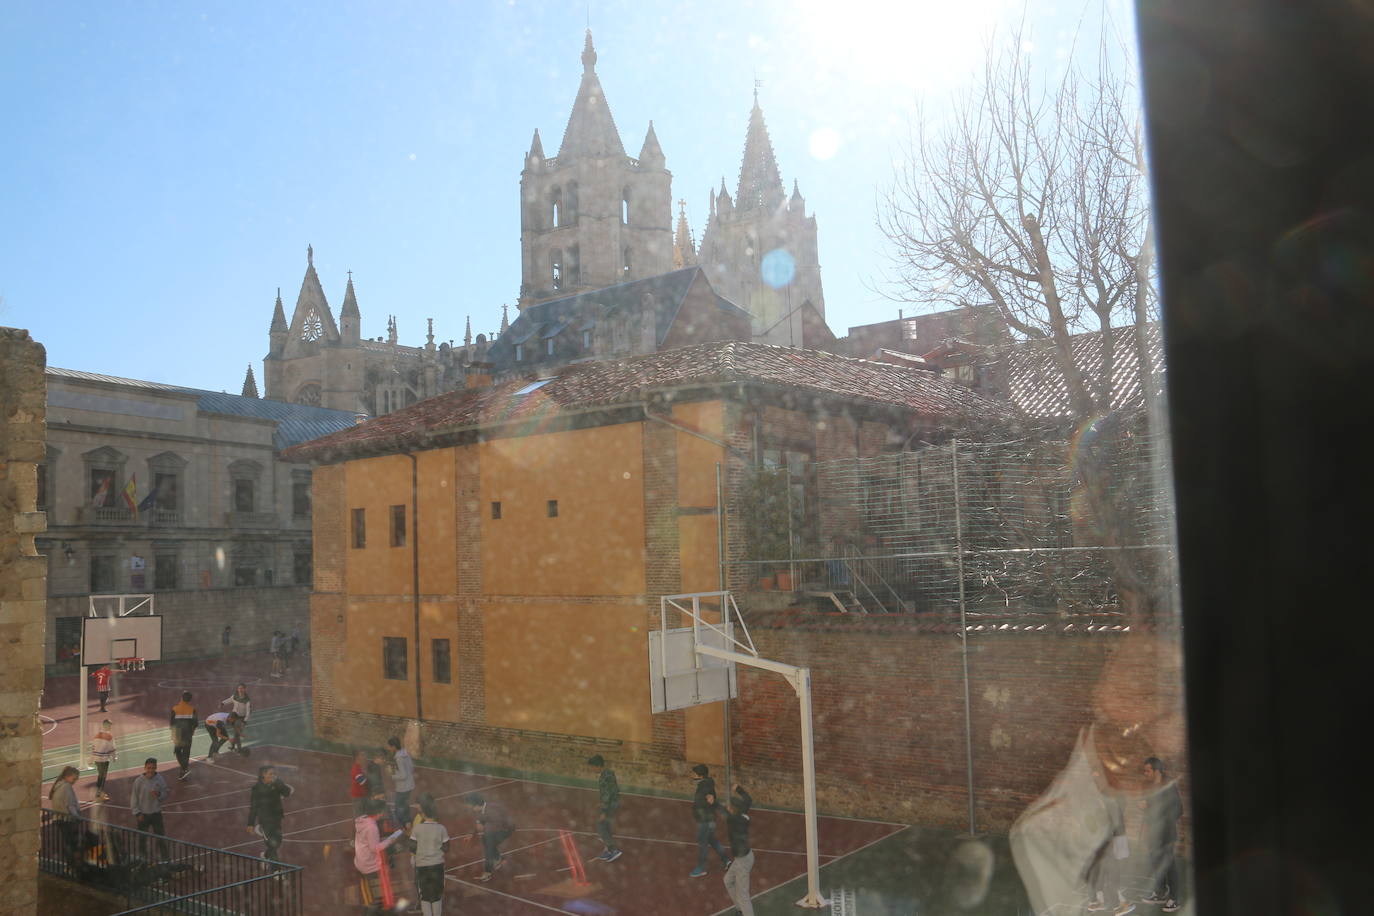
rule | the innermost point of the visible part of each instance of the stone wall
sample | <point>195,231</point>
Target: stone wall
<point>23,584</point>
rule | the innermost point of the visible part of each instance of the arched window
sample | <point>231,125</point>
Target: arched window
<point>556,199</point>
<point>570,204</point>
<point>556,268</point>
<point>625,207</point>
<point>625,269</point>
<point>574,269</point>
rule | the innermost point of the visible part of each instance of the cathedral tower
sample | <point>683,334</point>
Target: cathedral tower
<point>591,216</point>
<point>760,249</point>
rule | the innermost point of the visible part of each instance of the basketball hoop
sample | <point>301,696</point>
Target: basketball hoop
<point>129,664</point>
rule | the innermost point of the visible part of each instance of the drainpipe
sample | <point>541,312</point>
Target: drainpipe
<point>415,572</point>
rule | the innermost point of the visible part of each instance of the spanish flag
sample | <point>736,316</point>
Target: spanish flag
<point>131,495</point>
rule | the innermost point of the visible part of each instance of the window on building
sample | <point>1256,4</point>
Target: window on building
<point>625,207</point>
<point>443,664</point>
<point>519,352</point>
<point>167,491</point>
<point>552,508</point>
<point>625,267</point>
<point>303,566</point>
<point>394,660</point>
<point>574,269</point>
<point>496,509</point>
<point>557,202</point>
<point>556,268</point>
<point>245,572</point>
<point>548,347</point>
<point>300,494</point>
<point>570,204</point>
<point>359,528</point>
<point>586,340</point>
<point>164,571</point>
<point>103,573</point>
<point>103,487</point>
<point>398,526</point>
<point>244,496</point>
<point>243,477</point>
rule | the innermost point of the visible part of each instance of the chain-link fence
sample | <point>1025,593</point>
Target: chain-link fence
<point>1025,526</point>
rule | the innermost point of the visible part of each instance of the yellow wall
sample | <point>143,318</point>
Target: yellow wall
<point>596,544</point>
<point>359,684</point>
<point>578,669</point>
<point>375,485</point>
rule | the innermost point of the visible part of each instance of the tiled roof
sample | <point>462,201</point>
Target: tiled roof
<point>1037,387</point>
<point>296,423</point>
<point>606,383</point>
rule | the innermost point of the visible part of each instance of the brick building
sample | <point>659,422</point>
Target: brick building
<point>531,528</point>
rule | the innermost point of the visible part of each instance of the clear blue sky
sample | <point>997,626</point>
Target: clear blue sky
<point>166,163</point>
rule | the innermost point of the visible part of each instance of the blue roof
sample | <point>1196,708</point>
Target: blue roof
<point>296,423</point>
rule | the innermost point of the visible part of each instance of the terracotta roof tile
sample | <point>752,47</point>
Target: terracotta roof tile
<point>606,383</point>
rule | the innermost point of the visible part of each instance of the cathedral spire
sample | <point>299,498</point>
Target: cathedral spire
<point>278,316</point>
<point>591,130</point>
<point>505,321</point>
<point>250,384</point>
<point>651,154</point>
<point>350,303</point>
<point>684,251</point>
<point>312,321</point>
<point>467,333</point>
<point>760,184</point>
<point>536,153</point>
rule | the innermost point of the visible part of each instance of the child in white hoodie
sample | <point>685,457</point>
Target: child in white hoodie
<point>103,751</point>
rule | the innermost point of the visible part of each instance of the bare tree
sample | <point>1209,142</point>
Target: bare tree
<point>1028,199</point>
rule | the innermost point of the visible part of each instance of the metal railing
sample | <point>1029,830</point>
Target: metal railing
<point>156,873</point>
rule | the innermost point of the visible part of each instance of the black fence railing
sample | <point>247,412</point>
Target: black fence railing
<point>161,874</point>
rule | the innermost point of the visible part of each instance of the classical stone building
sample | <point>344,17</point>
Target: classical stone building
<point>176,491</point>
<point>592,218</point>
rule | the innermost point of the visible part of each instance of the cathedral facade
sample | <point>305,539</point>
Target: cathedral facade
<point>592,218</point>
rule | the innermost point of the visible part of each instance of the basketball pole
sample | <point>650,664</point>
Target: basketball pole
<point>84,761</point>
<point>800,679</point>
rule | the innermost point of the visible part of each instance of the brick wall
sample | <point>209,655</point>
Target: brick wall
<point>23,585</point>
<point>889,715</point>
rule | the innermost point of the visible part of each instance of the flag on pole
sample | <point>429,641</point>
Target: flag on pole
<point>149,501</point>
<point>102,492</point>
<point>130,494</point>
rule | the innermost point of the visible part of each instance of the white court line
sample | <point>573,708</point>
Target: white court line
<point>350,820</point>
<point>492,890</point>
<point>50,729</point>
<point>731,909</point>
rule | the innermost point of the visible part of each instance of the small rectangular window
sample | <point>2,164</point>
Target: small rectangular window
<point>102,574</point>
<point>164,571</point>
<point>359,528</point>
<point>41,501</point>
<point>243,496</point>
<point>496,510</point>
<point>443,666</point>
<point>519,352</point>
<point>398,526</point>
<point>300,499</point>
<point>553,508</point>
<point>394,658</point>
<point>586,340</point>
<point>548,347</point>
<point>303,566</point>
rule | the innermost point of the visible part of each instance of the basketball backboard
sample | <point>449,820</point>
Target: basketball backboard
<point>689,679</point>
<point>105,639</point>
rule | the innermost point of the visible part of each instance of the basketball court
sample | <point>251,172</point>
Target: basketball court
<point>657,835</point>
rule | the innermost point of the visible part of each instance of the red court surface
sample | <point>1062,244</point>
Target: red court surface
<point>142,699</point>
<point>656,834</point>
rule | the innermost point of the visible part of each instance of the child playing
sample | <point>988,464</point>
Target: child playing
<point>103,751</point>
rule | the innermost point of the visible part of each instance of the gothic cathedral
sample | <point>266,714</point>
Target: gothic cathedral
<point>591,218</point>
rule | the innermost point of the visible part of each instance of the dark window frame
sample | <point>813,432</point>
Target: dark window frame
<point>395,658</point>
<point>359,529</point>
<point>441,658</point>
<point>551,507</point>
<point>398,526</point>
<point>496,509</point>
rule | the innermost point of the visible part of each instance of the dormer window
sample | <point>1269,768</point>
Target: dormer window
<point>548,347</point>
<point>519,353</point>
<point>586,340</point>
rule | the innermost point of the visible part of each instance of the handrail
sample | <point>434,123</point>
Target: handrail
<point>859,580</point>
<point>892,591</point>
